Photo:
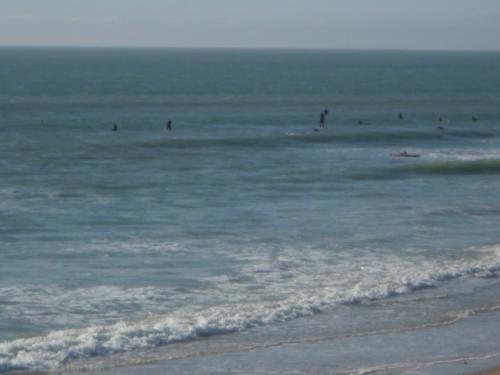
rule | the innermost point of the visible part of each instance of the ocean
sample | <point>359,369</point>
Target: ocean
<point>247,238</point>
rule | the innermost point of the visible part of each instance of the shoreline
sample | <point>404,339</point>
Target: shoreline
<point>491,371</point>
<point>466,347</point>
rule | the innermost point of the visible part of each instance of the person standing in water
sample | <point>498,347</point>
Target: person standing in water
<point>400,116</point>
<point>115,127</point>
<point>168,125</point>
<point>326,113</point>
<point>322,120</point>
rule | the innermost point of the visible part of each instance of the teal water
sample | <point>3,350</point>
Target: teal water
<point>242,220</point>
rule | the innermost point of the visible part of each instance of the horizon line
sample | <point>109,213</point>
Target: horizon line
<point>352,49</point>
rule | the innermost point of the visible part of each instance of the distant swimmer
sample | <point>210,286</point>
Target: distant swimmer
<point>115,127</point>
<point>474,118</point>
<point>322,120</point>
<point>439,128</point>
<point>400,116</point>
<point>168,125</point>
<point>440,119</point>
<point>361,122</point>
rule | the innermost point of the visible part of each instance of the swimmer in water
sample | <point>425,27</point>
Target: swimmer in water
<point>400,116</point>
<point>474,118</point>
<point>115,127</point>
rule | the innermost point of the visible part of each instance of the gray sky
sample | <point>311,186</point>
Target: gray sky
<point>358,24</point>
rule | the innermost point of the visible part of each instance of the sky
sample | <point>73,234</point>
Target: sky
<point>330,24</point>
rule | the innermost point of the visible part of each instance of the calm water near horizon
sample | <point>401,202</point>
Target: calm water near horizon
<point>242,227</point>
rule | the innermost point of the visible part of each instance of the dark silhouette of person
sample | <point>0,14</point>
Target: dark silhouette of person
<point>168,125</point>
<point>115,127</point>
<point>322,120</point>
<point>400,116</point>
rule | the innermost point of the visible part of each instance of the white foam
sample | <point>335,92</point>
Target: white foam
<point>278,288</point>
<point>75,307</point>
<point>462,155</point>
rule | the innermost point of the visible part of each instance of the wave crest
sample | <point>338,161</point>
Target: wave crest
<point>435,168</point>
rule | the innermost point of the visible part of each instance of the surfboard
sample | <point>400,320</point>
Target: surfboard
<point>404,155</point>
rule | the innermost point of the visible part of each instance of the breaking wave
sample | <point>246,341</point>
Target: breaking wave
<point>378,280</point>
<point>434,168</point>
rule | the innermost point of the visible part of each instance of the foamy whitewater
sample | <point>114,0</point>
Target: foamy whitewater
<point>243,230</point>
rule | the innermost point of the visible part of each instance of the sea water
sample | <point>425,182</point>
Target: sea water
<point>247,226</point>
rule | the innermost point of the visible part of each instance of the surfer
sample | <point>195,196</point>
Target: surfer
<point>404,154</point>
<point>115,127</point>
<point>322,120</point>
<point>168,125</point>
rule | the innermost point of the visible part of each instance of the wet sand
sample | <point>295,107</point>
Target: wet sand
<point>494,371</point>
